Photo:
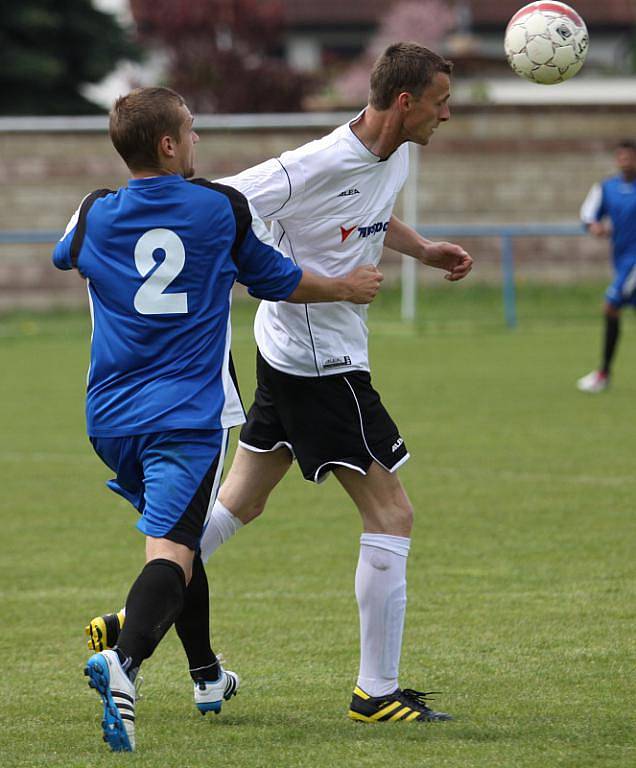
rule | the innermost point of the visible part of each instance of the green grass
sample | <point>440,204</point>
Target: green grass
<point>521,574</point>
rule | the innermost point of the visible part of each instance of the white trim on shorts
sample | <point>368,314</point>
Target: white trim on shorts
<point>629,286</point>
<point>318,479</point>
<point>403,460</point>
<point>214,492</point>
<point>275,447</point>
<point>366,445</point>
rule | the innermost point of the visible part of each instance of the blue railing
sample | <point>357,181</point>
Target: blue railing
<point>505,233</point>
<point>28,237</point>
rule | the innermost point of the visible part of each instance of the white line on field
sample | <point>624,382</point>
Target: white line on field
<point>496,474</point>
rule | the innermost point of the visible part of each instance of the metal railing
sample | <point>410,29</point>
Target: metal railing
<point>506,234</point>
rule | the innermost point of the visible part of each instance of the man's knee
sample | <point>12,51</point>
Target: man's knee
<point>393,518</point>
<point>165,549</point>
<point>251,479</point>
<point>250,511</point>
<point>403,516</point>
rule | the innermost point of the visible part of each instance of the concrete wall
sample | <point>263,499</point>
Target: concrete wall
<point>487,165</point>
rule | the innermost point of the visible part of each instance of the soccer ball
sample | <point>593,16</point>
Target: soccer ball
<point>546,42</point>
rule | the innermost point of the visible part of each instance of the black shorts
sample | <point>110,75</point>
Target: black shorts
<point>327,421</point>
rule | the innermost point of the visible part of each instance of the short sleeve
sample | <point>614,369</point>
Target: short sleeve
<point>593,208</point>
<point>274,188</point>
<point>62,251</point>
<point>262,268</point>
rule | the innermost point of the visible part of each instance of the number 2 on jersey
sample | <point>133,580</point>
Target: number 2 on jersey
<point>150,299</point>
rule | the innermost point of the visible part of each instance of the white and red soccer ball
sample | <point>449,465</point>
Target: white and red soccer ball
<point>546,42</point>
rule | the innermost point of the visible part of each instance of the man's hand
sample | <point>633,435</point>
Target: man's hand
<point>453,258</point>
<point>362,284</point>
<point>599,229</point>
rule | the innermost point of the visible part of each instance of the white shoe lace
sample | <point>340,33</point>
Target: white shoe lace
<point>139,680</point>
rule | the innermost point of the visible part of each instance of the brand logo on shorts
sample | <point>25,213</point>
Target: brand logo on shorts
<point>336,362</point>
<point>397,444</point>
<point>349,192</point>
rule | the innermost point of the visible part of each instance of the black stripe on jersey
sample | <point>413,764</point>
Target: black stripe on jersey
<point>234,377</point>
<point>240,209</point>
<point>311,336</point>
<point>280,207</point>
<point>80,229</point>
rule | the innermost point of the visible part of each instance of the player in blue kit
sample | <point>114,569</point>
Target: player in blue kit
<point>609,210</point>
<point>160,257</point>
<point>331,202</point>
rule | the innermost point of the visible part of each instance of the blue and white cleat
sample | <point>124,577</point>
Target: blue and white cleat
<point>209,696</point>
<point>117,692</point>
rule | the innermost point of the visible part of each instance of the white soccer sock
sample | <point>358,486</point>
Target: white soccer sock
<point>221,526</point>
<point>381,596</point>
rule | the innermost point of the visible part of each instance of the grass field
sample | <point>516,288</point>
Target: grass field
<point>521,574</point>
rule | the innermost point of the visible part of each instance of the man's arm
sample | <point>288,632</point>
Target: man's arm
<point>593,213</point>
<point>62,251</point>
<point>268,274</point>
<point>447,256</point>
<point>359,287</point>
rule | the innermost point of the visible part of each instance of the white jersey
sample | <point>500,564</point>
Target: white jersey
<point>330,202</point>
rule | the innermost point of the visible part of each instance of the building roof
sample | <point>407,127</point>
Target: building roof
<point>333,12</point>
<point>483,12</point>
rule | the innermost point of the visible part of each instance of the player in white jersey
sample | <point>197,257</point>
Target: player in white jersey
<point>331,204</point>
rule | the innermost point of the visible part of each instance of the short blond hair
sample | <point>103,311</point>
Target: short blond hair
<point>140,119</point>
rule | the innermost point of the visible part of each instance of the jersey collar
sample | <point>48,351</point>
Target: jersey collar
<point>156,181</point>
<point>362,150</point>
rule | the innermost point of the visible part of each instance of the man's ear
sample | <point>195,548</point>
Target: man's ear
<point>167,146</point>
<point>404,101</point>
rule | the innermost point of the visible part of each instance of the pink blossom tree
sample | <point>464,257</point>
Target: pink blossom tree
<point>426,22</point>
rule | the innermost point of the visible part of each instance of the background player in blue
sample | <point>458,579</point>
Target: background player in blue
<point>160,257</point>
<point>609,210</point>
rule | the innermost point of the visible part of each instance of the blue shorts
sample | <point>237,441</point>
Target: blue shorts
<point>622,291</point>
<point>171,478</point>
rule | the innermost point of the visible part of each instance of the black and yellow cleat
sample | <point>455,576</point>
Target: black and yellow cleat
<point>403,705</point>
<point>103,631</point>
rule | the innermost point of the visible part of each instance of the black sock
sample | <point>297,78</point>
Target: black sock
<point>193,626</point>
<point>154,602</point>
<point>612,331</point>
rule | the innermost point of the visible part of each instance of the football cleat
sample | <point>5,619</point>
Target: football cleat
<point>404,704</point>
<point>103,631</point>
<point>593,382</point>
<point>209,696</point>
<point>117,692</point>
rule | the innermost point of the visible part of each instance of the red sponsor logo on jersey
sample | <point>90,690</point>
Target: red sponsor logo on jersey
<point>344,232</point>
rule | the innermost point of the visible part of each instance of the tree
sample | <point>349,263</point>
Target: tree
<point>49,49</point>
<point>222,53</point>
<point>422,21</point>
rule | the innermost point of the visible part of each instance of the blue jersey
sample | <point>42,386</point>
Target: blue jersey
<point>160,257</point>
<point>615,199</point>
